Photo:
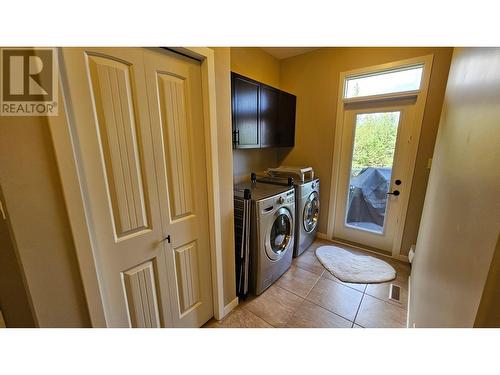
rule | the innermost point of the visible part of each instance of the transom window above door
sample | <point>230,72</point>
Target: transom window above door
<point>384,82</point>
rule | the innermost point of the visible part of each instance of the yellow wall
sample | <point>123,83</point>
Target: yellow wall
<point>33,197</point>
<point>259,65</point>
<point>314,78</point>
<point>15,302</point>
<point>461,216</point>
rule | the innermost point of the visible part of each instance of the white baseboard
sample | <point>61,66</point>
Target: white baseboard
<point>408,304</point>
<point>322,236</point>
<point>403,258</point>
<point>230,306</point>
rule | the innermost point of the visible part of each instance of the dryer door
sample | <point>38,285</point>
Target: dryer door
<point>279,234</point>
<point>311,212</point>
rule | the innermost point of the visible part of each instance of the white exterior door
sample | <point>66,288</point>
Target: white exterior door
<point>129,188</point>
<point>372,177</point>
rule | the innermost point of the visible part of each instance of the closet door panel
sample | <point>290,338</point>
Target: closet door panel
<point>175,96</point>
<point>109,119</point>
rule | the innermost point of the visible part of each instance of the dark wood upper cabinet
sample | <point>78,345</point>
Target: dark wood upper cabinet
<point>269,116</point>
<point>263,116</point>
<point>245,108</point>
<point>286,119</point>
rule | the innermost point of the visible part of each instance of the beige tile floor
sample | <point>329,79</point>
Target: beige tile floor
<point>308,296</point>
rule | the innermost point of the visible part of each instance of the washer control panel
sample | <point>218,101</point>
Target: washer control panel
<point>270,204</point>
<point>286,198</point>
<point>289,197</point>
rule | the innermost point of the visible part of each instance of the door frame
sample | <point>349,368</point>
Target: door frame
<point>420,97</point>
<point>75,195</point>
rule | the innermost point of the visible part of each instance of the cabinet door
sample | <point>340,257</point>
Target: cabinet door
<point>286,120</point>
<point>268,111</point>
<point>245,102</point>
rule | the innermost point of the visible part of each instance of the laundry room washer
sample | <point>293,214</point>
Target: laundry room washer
<point>306,207</point>
<point>272,233</point>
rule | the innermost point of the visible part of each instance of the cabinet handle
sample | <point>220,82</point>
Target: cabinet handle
<point>166,239</point>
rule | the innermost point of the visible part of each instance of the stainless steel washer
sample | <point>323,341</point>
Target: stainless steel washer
<point>272,232</point>
<point>306,210</point>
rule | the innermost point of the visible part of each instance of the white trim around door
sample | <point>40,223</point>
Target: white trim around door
<point>420,96</point>
<point>68,160</point>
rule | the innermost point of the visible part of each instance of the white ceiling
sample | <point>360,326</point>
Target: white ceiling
<point>286,52</point>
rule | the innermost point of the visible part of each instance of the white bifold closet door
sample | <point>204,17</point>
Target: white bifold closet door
<point>137,118</point>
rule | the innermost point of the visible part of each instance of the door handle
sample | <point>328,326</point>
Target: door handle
<point>236,137</point>
<point>395,193</point>
<point>166,239</point>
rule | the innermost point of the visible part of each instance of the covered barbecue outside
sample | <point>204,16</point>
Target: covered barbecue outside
<point>368,198</point>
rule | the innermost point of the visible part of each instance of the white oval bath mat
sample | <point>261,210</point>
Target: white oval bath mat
<point>354,268</point>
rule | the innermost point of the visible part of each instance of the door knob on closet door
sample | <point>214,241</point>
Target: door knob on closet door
<point>166,239</point>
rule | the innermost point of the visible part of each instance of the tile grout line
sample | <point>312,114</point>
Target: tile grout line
<point>333,312</point>
<point>357,311</point>
<point>292,313</point>
<point>258,316</point>
<point>324,308</point>
<point>294,310</point>
<point>330,311</point>
<point>338,282</point>
<point>305,269</point>
<point>383,300</point>
<point>316,283</point>
<point>304,299</point>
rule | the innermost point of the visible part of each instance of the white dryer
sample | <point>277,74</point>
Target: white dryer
<point>271,232</point>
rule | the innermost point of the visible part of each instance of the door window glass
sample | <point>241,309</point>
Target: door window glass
<point>371,170</point>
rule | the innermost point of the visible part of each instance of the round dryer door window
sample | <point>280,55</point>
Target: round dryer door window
<point>311,212</point>
<point>280,234</point>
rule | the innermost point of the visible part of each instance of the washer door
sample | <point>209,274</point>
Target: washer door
<point>311,212</point>
<point>279,234</point>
